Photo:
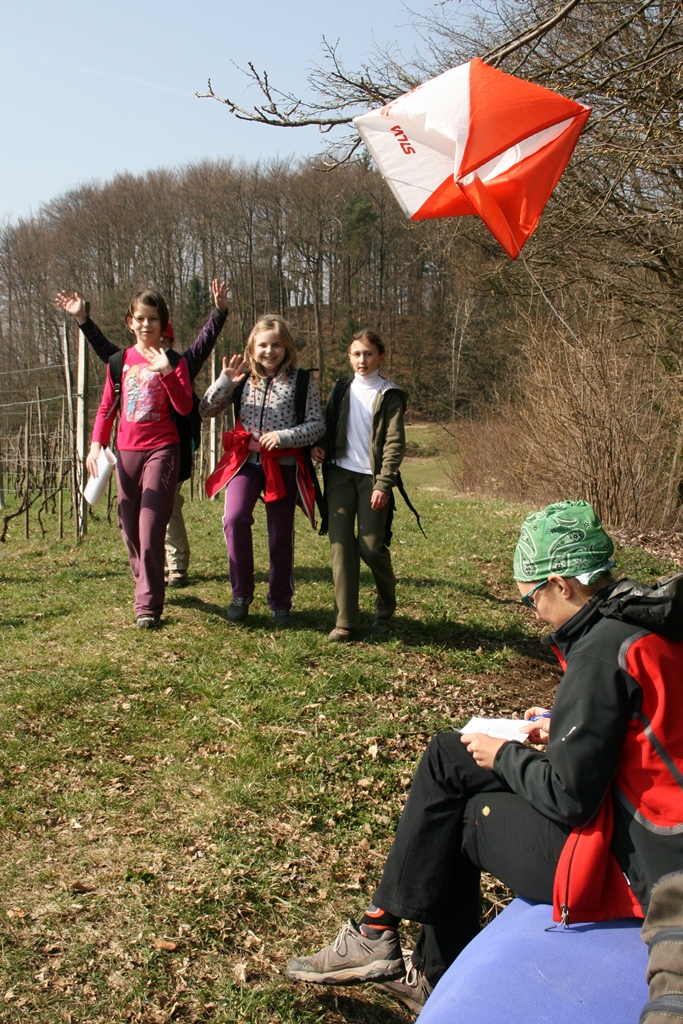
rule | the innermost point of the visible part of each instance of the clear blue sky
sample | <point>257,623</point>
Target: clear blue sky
<point>90,89</point>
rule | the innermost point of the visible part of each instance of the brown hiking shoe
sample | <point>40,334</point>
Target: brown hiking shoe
<point>340,635</point>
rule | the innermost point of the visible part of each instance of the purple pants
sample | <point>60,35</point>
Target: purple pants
<point>241,494</point>
<point>147,482</point>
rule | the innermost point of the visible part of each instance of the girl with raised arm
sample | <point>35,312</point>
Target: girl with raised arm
<point>277,415</point>
<point>148,453</point>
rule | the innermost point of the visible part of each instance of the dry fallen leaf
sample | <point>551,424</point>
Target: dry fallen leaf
<point>45,910</point>
<point>240,973</point>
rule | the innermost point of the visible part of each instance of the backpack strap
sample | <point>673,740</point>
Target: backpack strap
<point>301,394</point>
<point>303,379</point>
<point>237,397</point>
<point>402,492</point>
<point>341,386</point>
<point>189,427</point>
<point>115,363</point>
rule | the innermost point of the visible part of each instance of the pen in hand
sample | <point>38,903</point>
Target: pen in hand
<point>536,718</point>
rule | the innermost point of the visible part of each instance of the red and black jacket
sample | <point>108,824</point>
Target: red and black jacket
<point>613,767</point>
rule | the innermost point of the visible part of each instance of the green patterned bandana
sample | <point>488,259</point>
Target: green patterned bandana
<point>566,539</point>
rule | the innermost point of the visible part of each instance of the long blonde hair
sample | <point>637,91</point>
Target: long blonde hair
<point>270,322</point>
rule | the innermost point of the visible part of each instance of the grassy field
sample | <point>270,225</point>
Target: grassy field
<point>183,811</point>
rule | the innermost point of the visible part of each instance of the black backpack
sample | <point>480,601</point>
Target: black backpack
<point>658,608</point>
<point>189,427</point>
<point>340,388</point>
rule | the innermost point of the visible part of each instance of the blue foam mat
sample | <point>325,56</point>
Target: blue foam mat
<point>517,972</point>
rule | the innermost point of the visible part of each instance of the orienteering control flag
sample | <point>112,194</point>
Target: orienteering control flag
<point>475,140</point>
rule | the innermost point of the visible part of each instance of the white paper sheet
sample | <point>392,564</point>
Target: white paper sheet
<point>96,485</point>
<point>503,728</point>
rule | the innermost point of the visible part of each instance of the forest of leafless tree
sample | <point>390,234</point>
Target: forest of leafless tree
<point>558,375</point>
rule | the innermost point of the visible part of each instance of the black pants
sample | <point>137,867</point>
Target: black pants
<point>460,819</point>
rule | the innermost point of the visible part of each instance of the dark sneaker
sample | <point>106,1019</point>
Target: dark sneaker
<point>340,635</point>
<point>177,578</point>
<point>149,622</point>
<point>281,617</point>
<point>238,609</point>
<point>351,959</point>
<point>413,989</point>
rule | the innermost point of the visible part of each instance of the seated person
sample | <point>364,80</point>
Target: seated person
<point>587,824</point>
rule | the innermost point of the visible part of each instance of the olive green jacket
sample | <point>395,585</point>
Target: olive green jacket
<point>387,438</point>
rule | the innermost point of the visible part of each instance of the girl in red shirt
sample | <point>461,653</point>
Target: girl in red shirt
<point>148,456</point>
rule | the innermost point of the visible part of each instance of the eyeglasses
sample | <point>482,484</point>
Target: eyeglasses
<point>527,599</point>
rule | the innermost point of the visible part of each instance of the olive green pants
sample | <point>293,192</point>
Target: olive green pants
<point>348,500</point>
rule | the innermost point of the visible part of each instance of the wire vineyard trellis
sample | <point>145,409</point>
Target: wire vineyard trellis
<point>42,455</point>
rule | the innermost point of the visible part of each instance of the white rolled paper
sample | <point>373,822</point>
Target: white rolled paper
<point>96,485</point>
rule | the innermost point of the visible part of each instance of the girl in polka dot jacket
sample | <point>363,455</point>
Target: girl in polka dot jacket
<point>264,454</point>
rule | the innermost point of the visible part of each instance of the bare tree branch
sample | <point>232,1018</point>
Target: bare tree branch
<point>273,113</point>
<point>498,54</point>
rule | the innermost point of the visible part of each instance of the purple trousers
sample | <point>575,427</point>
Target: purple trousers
<point>147,482</point>
<point>241,495</point>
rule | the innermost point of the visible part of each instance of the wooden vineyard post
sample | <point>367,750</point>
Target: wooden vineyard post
<point>82,426</point>
<point>72,432</point>
<point>213,428</point>
<point>27,471</point>
<point>60,496</point>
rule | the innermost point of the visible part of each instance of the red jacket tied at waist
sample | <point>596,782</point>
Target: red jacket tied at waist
<point>236,447</point>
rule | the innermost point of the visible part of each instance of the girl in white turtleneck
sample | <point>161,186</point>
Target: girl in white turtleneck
<point>364,447</point>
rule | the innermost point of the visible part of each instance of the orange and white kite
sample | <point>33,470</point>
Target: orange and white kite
<point>475,141</point>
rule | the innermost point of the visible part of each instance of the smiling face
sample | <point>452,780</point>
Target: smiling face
<point>145,324</point>
<point>268,351</point>
<point>365,358</point>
